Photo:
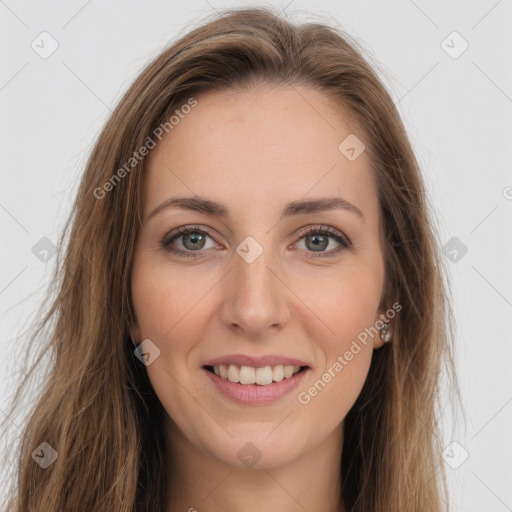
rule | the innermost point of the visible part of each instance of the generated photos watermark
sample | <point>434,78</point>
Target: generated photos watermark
<point>304,397</point>
<point>138,156</point>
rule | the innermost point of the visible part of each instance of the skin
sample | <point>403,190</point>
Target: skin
<point>255,151</point>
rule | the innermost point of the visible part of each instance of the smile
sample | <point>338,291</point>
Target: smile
<point>252,392</point>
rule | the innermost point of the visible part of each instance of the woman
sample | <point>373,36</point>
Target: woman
<point>250,312</point>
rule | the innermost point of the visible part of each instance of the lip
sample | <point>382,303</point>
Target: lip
<point>254,394</point>
<point>255,362</point>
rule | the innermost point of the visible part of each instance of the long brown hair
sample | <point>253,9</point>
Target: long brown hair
<point>97,409</point>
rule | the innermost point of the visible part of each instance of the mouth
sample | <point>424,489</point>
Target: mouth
<point>261,376</point>
<point>255,385</point>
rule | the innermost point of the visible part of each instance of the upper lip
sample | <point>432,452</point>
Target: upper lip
<point>255,362</point>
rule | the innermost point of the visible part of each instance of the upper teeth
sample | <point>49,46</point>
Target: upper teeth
<point>249,375</point>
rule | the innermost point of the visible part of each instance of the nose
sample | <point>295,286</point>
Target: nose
<point>255,297</point>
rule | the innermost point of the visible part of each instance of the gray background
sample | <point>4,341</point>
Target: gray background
<point>457,109</point>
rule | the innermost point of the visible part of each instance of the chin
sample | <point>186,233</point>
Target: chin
<point>254,449</point>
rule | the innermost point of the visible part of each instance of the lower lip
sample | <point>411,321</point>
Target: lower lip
<point>253,394</point>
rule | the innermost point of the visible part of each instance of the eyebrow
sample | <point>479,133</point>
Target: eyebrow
<point>301,207</point>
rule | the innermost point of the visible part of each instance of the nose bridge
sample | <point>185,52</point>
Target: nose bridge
<point>254,299</point>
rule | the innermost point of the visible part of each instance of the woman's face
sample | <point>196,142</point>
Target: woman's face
<point>251,289</point>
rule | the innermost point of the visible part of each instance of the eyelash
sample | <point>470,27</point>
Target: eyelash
<point>316,230</point>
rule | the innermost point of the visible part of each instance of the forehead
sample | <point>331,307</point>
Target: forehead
<point>269,144</point>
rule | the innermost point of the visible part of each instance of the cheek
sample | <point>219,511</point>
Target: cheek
<point>334,390</point>
<point>348,307</point>
<point>166,298</point>
<point>173,310</point>
<point>345,305</point>
<point>168,309</point>
<point>345,302</point>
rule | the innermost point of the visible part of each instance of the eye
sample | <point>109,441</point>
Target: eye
<point>318,238</point>
<point>192,239</point>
